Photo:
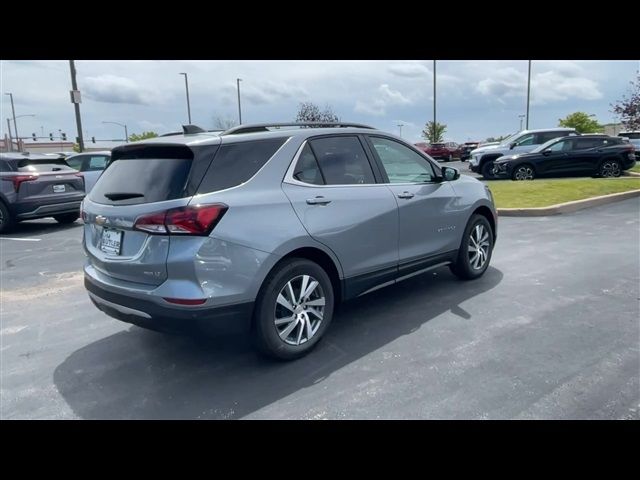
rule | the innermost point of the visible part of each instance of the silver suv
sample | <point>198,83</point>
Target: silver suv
<point>265,228</point>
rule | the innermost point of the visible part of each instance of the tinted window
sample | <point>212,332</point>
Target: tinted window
<point>157,179</point>
<point>401,164</point>
<point>236,163</point>
<point>546,136</point>
<point>586,143</point>
<point>561,146</point>
<point>33,165</point>
<point>76,161</point>
<point>5,167</point>
<point>97,163</point>
<point>342,160</point>
<point>630,135</point>
<point>525,140</point>
<point>307,169</point>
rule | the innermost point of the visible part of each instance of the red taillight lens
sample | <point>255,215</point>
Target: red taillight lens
<point>18,179</point>
<point>191,220</point>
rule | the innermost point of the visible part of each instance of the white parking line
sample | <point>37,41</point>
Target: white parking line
<point>21,239</point>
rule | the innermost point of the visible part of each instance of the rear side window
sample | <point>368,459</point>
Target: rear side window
<point>307,169</point>
<point>130,181</point>
<point>97,163</point>
<point>236,163</point>
<point>342,160</point>
<point>544,137</point>
<point>42,166</point>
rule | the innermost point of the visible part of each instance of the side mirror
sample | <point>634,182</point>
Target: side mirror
<point>512,145</point>
<point>450,173</point>
<point>546,153</point>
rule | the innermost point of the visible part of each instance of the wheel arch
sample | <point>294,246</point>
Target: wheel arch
<point>486,212</point>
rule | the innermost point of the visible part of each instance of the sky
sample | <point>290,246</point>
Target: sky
<point>476,99</point>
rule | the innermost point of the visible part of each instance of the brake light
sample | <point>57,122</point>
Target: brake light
<point>190,220</point>
<point>18,179</point>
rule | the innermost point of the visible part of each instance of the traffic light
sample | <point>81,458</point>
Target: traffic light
<point>64,137</point>
<point>34,136</point>
<point>51,137</point>
<point>93,139</point>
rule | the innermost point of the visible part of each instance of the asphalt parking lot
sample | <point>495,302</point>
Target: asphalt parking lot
<point>551,331</point>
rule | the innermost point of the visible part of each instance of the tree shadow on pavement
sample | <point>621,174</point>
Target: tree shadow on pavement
<point>139,374</point>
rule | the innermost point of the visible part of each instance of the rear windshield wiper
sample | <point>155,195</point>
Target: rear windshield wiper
<point>122,195</point>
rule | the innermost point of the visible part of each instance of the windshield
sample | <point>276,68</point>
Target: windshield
<point>545,145</point>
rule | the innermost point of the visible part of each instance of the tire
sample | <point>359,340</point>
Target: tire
<point>297,337</point>
<point>610,168</point>
<point>6,220</point>
<point>524,172</point>
<point>66,218</point>
<point>487,170</point>
<point>464,267</point>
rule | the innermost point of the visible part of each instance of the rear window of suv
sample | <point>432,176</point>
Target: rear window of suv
<point>144,176</point>
<point>42,166</point>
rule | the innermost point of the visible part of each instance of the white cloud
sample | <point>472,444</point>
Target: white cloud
<point>409,69</point>
<point>384,97</point>
<point>114,89</point>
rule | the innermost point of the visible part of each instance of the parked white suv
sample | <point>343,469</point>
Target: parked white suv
<point>482,158</point>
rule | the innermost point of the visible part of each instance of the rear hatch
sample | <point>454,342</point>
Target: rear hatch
<point>47,181</point>
<point>140,181</point>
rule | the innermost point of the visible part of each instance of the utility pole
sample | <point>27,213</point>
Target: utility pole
<point>528,93</point>
<point>10,138</point>
<point>186,85</point>
<point>75,99</point>
<point>238,80</point>
<point>15,125</point>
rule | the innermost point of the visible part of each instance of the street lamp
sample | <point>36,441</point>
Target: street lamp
<point>126,132</point>
<point>238,80</point>
<point>15,125</point>
<point>400,125</point>
<point>186,85</point>
<point>528,92</point>
<point>15,128</point>
<point>521,118</point>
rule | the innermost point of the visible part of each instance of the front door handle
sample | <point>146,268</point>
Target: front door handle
<point>405,195</point>
<point>318,201</point>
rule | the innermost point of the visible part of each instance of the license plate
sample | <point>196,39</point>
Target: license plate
<point>58,189</point>
<point>111,241</point>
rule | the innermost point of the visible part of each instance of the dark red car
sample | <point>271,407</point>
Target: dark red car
<point>440,151</point>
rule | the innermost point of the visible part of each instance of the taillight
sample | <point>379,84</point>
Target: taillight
<point>190,220</point>
<point>18,179</point>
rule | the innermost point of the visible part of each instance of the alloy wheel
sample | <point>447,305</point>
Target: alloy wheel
<point>478,246</point>
<point>610,169</point>
<point>299,309</point>
<point>524,173</point>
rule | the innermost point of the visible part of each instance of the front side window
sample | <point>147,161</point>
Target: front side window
<point>402,164</point>
<point>561,146</point>
<point>342,160</point>
<point>97,163</point>
<point>75,162</point>
<point>525,140</point>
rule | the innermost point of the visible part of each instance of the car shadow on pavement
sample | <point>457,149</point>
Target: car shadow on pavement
<point>38,227</point>
<point>139,374</point>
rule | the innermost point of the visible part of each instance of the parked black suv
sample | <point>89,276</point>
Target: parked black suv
<point>596,155</point>
<point>38,186</point>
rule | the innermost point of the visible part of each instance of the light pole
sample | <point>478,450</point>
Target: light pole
<point>186,86</point>
<point>126,132</point>
<point>528,93</point>
<point>400,125</point>
<point>521,118</point>
<point>434,99</point>
<point>238,80</point>
<point>15,125</point>
<point>15,129</point>
<point>10,138</point>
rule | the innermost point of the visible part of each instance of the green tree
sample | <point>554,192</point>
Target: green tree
<point>76,147</point>
<point>496,139</point>
<point>134,137</point>
<point>628,108</point>
<point>310,112</point>
<point>434,133</point>
<point>224,123</point>
<point>582,122</point>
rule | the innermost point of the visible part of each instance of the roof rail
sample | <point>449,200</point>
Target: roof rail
<point>264,127</point>
<point>189,129</point>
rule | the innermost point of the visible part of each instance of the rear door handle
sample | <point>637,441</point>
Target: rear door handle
<point>405,195</point>
<point>318,201</point>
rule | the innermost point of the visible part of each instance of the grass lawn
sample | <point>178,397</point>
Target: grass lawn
<point>636,167</point>
<point>543,193</point>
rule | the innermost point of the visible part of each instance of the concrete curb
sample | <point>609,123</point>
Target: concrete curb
<point>627,173</point>
<point>567,207</point>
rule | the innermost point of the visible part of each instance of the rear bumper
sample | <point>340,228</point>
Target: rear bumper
<point>29,210</point>
<point>227,319</point>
